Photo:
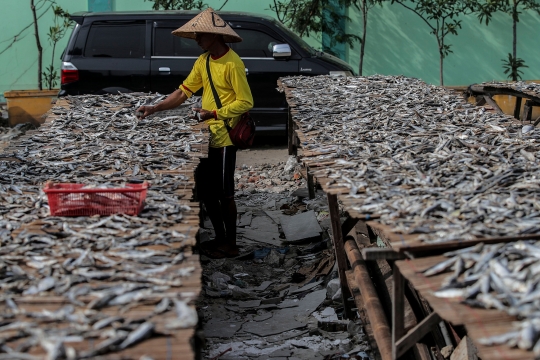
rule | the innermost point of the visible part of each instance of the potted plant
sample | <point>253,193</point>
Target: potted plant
<point>30,105</point>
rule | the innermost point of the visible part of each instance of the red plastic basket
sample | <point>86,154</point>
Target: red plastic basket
<point>73,200</point>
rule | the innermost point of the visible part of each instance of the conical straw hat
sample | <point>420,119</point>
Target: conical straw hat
<point>207,22</point>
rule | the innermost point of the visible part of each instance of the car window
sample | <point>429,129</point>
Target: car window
<point>254,44</point>
<point>166,44</point>
<point>116,39</point>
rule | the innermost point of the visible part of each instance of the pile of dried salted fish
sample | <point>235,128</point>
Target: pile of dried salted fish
<point>98,270</point>
<point>500,276</point>
<point>8,134</point>
<point>420,156</point>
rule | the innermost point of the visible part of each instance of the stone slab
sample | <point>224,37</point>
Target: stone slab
<point>263,317</point>
<point>281,353</point>
<point>221,329</point>
<point>263,286</point>
<point>208,224</point>
<point>244,219</point>
<point>306,287</point>
<point>274,215</point>
<point>301,227</point>
<point>249,303</point>
<point>285,319</point>
<point>266,237</point>
<point>264,223</point>
<point>328,314</point>
<point>270,205</point>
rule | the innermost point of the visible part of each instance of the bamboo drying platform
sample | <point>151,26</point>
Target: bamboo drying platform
<point>167,343</point>
<point>319,163</point>
<point>478,322</point>
<point>319,169</point>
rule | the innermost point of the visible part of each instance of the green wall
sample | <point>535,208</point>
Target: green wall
<point>101,5</point>
<point>398,43</point>
<point>18,70</point>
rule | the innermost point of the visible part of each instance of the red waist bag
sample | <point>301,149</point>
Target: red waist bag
<point>243,134</point>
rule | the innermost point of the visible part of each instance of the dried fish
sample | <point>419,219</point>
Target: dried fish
<point>506,279</point>
<point>420,156</point>
<point>95,262</point>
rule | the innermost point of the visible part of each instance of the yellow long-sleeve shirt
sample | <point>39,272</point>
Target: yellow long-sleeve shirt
<point>229,78</point>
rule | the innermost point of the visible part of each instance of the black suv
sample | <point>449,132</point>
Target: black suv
<point>136,52</point>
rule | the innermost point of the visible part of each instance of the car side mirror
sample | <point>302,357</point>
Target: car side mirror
<point>281,51</point>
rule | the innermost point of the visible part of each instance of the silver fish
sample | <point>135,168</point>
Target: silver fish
<point>137,335</point>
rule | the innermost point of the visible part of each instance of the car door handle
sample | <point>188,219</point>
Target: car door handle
<point>165,69</point>
<point>247,71</point>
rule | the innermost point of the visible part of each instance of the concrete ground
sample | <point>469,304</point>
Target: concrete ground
<point>262,155</point>
<point>280,299</point>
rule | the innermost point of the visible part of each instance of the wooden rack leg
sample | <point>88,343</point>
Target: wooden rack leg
<point>310,184</point>
<point>402,342</point>
<point>527,111</point>
<point>341,256</point>
<point>290,132</point>
<point>398,310</point>
<point>480,100</point>
<point>517,108</point>
<point>291,136</point>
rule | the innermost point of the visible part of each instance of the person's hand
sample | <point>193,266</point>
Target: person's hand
<point>144,111</point>
<point>203,114</point>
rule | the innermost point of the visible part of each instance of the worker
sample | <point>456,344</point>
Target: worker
<point>215,176</point>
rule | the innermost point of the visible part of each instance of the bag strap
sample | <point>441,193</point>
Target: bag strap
<point>216,96</point>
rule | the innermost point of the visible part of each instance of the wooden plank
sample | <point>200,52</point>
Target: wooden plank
<point>477,330</point>
<point>359,302</point>
<point>415,334</point>
<point>370,254</point>
<point>410,242</point>
<point>452,245</point>
<point>339,249</point>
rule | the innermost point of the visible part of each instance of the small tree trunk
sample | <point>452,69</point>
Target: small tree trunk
<point>314,6</point>
<point>38,43</point>
<point>514,38</point>
<point>51,80</point>
<point>514,30</point>
<point>440,42</point>
<point>441,60</point>
<point>363,44</point>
